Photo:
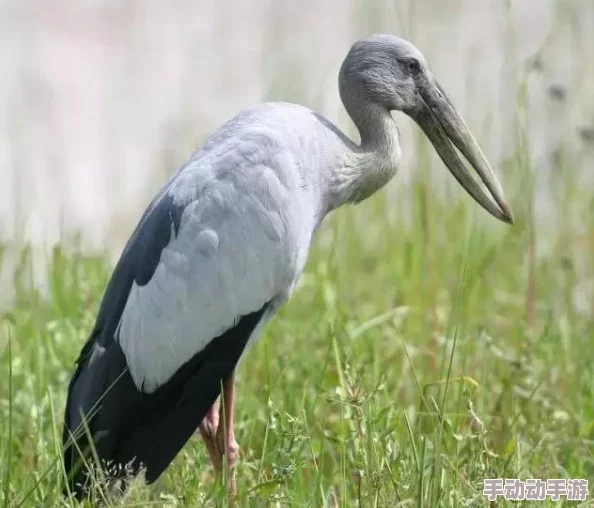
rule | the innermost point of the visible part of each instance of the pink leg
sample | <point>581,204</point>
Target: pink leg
<point>208,431</point>
<point>217,431</point>
<point>228,446</point>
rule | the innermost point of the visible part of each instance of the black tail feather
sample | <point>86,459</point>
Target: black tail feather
<point>131,429</point>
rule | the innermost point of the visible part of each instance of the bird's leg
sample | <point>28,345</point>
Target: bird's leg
<point>217,432</point>
<point>208,430</point>
<point>227,444</point>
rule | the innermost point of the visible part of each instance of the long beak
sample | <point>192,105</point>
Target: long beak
<point>447,131</point>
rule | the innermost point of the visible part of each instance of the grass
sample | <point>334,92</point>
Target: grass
<point>413,361</point>
<point>426,348</point>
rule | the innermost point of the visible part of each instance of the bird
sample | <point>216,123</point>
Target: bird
<point>221,247</point>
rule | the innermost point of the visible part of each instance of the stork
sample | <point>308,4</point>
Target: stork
<point>221,247</point>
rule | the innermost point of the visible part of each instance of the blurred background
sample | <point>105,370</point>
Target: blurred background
<point>101,100</point>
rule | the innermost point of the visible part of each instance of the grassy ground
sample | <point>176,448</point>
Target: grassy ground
<point>413,361</point>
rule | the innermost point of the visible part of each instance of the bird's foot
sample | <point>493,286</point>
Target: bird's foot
<point>221,446</point>
<point>229,456</point>
<point>208,430</point>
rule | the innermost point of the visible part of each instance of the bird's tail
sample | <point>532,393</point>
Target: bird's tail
<point>91,419</point>
<point>109,419</point>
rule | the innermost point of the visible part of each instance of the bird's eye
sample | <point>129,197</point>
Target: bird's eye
<point>412,66</point>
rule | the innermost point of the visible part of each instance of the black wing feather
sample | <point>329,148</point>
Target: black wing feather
<point>128,426</point>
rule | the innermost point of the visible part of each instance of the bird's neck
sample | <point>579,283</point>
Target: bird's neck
<point>373,163</point>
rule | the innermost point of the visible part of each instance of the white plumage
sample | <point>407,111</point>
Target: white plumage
<point>249,217</point>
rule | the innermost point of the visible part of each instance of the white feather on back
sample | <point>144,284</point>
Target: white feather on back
<point>242,242</point>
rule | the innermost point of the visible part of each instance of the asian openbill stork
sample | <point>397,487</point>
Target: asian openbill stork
<point>222,246</point>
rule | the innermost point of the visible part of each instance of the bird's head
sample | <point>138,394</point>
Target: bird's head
<point>386,71</point>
